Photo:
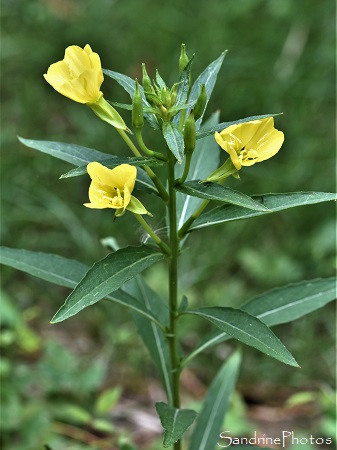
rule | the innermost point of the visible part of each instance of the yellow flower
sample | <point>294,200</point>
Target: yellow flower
<point>112,188</point>
<point>250,142</point>
<point>78,76</point>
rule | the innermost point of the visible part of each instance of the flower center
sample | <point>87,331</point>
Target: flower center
<point>248,155</point>
<point>116,198</point>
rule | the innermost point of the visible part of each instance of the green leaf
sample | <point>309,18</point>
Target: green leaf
<point>183,87</point>
<point>208,78</point>
<point>174,421</point>
<point>274,203</point>
<point>205,159</point>
<point>285,304</point>
<point>211,191</point>
<point>52,268</point>
<point>81,156</point>
<point>247,329</point>
<point>280,305</point>
<point>129,85</point>
<point>107,400</point>
<point>152,336</point>
<point>221,126</point>
<point>73,154</point>
<point>116,161</point>
<point>160,82</point>
<point>207,429</point>
<point>174,139</point>
<point>63,272</point>
<point>107,276</point>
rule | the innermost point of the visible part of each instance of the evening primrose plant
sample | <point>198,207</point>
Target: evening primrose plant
<point>193,193</point>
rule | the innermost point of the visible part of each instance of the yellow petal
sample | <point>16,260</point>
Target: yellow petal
<point>127,197</point>
<point>57,74</point>
<point>271,145</point>
<point>77,60</point>
<point>124,175</point>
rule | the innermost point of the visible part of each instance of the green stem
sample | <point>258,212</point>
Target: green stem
<point>160,187</point>
<point>183,230</point>
<point>154,236</point>
<point>186,169</point>
<point>146,150</point>
<point>173,290</point>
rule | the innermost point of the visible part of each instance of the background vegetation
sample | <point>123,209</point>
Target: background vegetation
<point>65,380</point>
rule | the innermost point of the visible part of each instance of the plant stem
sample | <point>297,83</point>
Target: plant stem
<point>183,230</point>
<point>160,187</point>
<point>173,290</point>
<point>146,150</point>
<point>186,169</point>
<point>154,236</point>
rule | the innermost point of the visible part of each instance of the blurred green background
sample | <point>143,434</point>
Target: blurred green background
<point>281,58</point>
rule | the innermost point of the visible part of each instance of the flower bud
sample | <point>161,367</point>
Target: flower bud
<point>200,105</point>
<point>165,97</point>
<point>137,108</point>
<point>183,60</point>
<point>147,85</point>
<point>189,133</point>
<point>174,93</point>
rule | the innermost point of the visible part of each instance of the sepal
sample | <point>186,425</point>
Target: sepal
<point>106,112</point>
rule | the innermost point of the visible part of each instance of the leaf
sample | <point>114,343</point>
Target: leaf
<point>152,336</point>
<point>52,268</point>
<point>280,305</point>
<point>81,156</point>
<point>63,272</point>
<point>205,159</point>
<point>116,161</point>
<point>107,400</point>
<point>174,139</point>
<point>73,154</point>
<point>183,87</point>
<point>130,86</point>
<point>208,426</point>
<point>107,276</point>
<point>174,421</point>
<point>208,78</point>
<point>221,126</point>
<point>211,191</point>
<point>160,82</point>
<point>247,329</point>
<point>274,202</point>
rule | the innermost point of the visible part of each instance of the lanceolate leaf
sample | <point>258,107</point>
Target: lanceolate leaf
<point>63,272</point>
<point>107,276</point>
<point>208,426</point>
<point>116,161</point>
<point>205,160</point>
<point>274,203</point>
<point>208,78</point>
<point>130,85</point>
<point>53,268</point>
<point>247,329</point>
<point>211,191</point>
<point>174,139</point>
<point>221,126</point>
<point>81,156</point>
<point>73,154</point>
<point>174,421</point>
<point>280,305</point>
<point>152,336</point>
